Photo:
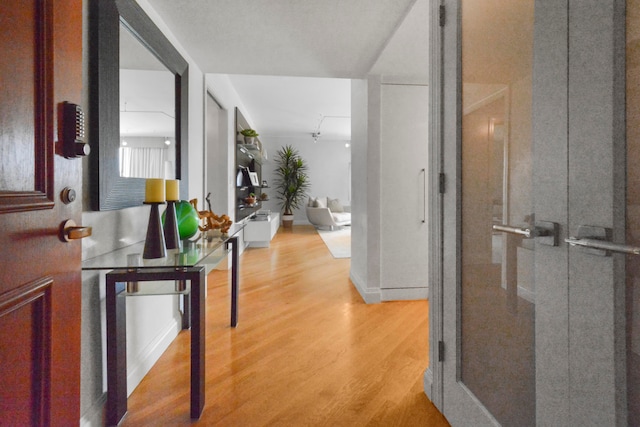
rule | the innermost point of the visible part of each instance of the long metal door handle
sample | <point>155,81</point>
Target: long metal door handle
<point>526,232</point>
<point>596,240</point>
<point>603,245</point>
<point>545,232</point>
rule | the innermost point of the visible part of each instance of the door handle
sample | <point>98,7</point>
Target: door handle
<point>526,232</point>
<point>597,241</point>
<point>70,231</point>
<point>423,171</point>
<point>545,232</point>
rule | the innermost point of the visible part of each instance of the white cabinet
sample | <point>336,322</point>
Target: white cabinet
<point>403,191</point>
<point>259,233</point>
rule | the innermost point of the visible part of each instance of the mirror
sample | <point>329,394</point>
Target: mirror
<point>147,112</point>
<point>109,190</point>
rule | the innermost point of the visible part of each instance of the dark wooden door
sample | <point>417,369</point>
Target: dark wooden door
<point>40,282</point>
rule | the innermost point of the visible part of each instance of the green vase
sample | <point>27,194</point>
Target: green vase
<point>187,218</point>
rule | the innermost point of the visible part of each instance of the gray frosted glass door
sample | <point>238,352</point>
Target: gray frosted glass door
<point>497,361</point>
<point>633,210</point>
<point>534,140</point>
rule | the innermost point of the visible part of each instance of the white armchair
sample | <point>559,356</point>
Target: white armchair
<point>320,213</point>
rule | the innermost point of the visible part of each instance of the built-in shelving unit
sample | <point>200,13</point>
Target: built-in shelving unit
<point>252,151</point>
<point>249,160</point>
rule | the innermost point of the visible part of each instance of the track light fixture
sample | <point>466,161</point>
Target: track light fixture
<point>316,134</point>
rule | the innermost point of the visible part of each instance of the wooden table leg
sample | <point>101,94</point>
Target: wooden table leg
<point>186,310</point>
<point>235,260</point>
<point>116,351</point>
<point>198,318</point>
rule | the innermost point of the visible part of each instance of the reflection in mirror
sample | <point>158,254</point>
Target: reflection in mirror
<point>499,175</point>
<point>109,189</point>
<point>147,113</point>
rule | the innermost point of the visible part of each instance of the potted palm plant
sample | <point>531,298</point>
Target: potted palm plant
<point>291,181</point>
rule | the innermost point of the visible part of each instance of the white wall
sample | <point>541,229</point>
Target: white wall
<point>372,292</point>
<point>365,130</point>
<point>359,219</point>
<point>216,154</point>
<point>328,171</point>
<point>220,87</point>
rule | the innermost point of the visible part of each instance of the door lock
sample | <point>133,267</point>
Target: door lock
<point>68,195</point>
<point>73,144</point>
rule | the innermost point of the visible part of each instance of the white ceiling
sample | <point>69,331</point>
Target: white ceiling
<point>283,55</point>
<point>296,107</point>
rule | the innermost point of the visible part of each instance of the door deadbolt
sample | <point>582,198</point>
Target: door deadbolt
<point>68,195</point>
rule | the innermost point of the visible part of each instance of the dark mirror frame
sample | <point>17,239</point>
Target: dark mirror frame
<point>108,190</point>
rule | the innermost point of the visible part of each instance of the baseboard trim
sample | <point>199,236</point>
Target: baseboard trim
<point>370,296</point>
<point>404,294</point>
<point>150,355</point>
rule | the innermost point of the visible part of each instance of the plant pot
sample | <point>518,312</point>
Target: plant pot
<point>250,200</point>
<point>249,140</point>
<point>287,221</point>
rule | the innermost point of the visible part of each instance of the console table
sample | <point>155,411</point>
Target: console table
<point>179,267</point>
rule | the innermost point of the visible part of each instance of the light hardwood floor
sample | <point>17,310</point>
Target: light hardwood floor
<point>307,350</point>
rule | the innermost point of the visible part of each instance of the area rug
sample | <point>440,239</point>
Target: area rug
<point>338,242</point>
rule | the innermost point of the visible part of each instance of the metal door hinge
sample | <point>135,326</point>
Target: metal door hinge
<point>440,351</point>
<point>441,181</point>
<point>442,16</point>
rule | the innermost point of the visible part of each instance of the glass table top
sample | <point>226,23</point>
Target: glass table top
<point>203,250</point>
